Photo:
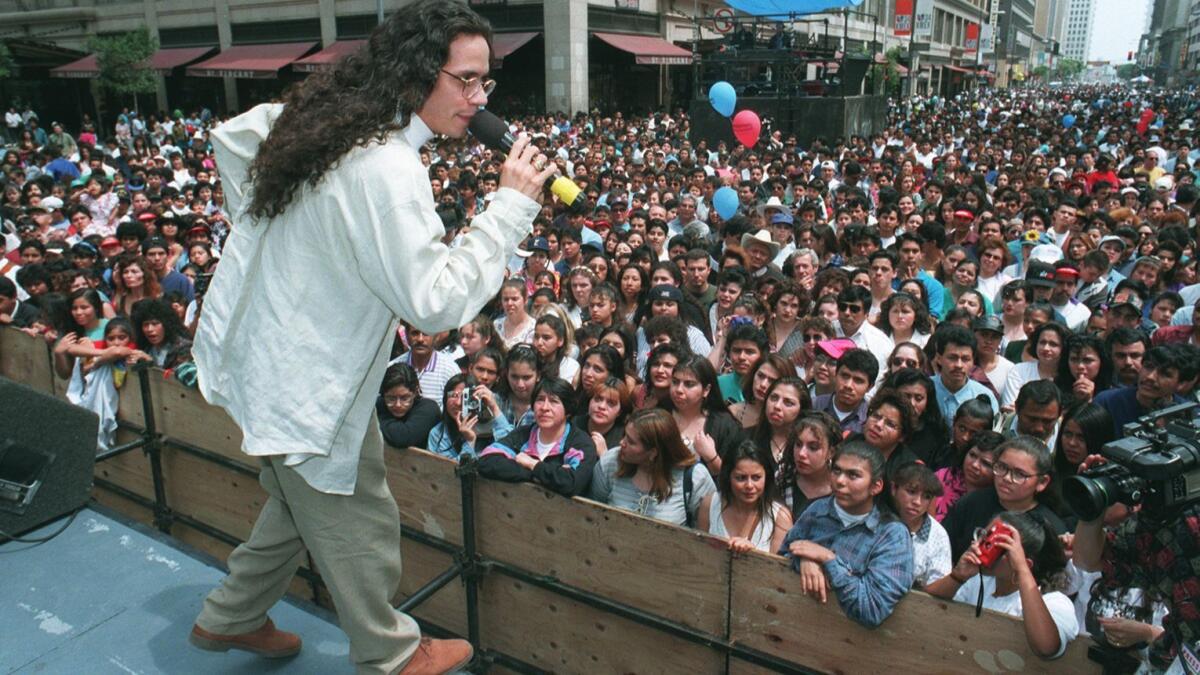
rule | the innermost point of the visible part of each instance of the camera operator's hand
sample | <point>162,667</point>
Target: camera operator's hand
<point>1122,632</point>
<point>1091,461</point>
<point>967,565</point>
<point>485,396</point>
<point>467,429</point>
<point>519,172</point>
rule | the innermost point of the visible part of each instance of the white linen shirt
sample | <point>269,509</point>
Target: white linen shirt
<point>298,323</point>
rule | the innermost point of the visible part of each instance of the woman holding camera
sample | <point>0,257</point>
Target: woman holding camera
<point>1023,581</point>
<point>471,418</point>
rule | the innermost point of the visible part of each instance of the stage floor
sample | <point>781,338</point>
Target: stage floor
<point>107,596</point>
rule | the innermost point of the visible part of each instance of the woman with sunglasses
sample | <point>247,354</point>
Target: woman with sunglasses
<point>814,329</point>
<point>1021,473</point>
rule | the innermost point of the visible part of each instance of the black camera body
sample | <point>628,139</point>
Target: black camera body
<point>1156,463</point>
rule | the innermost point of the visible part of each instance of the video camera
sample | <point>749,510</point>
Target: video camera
<point>1156,464</point>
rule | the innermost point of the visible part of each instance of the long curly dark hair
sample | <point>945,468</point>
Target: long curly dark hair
<point>367,95</point>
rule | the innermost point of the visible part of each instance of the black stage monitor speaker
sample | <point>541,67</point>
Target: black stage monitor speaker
<point>47,454</point>
<point>856,66</point>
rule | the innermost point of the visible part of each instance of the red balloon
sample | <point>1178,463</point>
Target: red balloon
<point>746,127</point>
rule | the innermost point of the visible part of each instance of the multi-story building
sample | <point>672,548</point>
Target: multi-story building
<point>1163,49</point>
<point>1077,36</point>
<point>1014,42</point>
<point>1193,40</point>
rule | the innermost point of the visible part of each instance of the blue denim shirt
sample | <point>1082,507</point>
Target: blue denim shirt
<point>874,564</point>
<point>440,443</point>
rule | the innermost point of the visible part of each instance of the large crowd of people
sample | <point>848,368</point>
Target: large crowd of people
<point>892,355</point>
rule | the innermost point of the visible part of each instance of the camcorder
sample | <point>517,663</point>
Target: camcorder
<point>1155,464</point>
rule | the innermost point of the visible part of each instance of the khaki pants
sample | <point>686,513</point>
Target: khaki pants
<point>355,543</point>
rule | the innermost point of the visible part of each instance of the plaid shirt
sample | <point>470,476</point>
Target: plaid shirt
<point>874,564</point>
<point>1163,562</point>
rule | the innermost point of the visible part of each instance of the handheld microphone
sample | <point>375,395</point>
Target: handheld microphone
<point>494,133</point>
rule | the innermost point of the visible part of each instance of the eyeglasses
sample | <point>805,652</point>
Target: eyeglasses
<point>813,337</point>
<point>847,307</point>
<point>474,85</point>
<point>1002,470</point>
<point>397,400</point>
<point>899,362</point>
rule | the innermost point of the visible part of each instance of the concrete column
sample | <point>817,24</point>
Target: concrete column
<point>225,41</point>
<point>565,31</point>
<point>160,82</point>
<point>328,22</point>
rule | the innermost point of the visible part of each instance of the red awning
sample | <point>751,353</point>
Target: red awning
<point>958,69</point>
<point>648,49</point>
<point>166,60</point>
<point>987,73</point>
<point>324,59</point>
<point>504,44</point>
<point>83,68</point>
<point>251,61</point>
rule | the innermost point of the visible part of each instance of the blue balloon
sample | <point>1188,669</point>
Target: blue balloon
<point>723,98</point>
<point>726,202</point>
<point>1068,121</point>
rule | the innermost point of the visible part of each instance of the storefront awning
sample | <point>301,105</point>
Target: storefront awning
<point>166,60</point>
<point>251,61</point>
<point>83,68</point>
<point>958,69</point>
<point>648,50</point>
<point>324,59</point>
<point>504,44</point>
<point>163,61</point>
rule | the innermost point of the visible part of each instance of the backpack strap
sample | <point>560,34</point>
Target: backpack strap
<point>689,519</point>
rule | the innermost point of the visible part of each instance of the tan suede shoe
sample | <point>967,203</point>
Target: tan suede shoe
<point>267,641</point>
<point>436,657</point>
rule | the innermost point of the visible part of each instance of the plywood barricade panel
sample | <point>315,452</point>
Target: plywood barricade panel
<point>595,548</point>
<point>444,608</point>
<point>564,636</point>
<point>427,491</point>
<point>26,359</point>
<point>924,635</point>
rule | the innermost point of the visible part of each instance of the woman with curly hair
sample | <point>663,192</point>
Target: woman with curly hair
<point>336,168</point>
<point>133,281</point>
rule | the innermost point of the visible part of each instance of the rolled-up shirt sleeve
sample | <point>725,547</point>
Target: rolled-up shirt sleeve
<point>869,598</point>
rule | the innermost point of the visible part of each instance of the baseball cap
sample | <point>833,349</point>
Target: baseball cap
<point>991,322</point>
<point>154,242</point>
<point>666,292</point>
<point>782,218</point>
<point>1065,272</point>
<point>1040,273</point>
<point>539,244</point>
<point>110,241</point>
<point>1114,239</point>
<point>836,347</point>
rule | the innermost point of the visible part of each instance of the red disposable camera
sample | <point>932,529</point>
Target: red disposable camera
<point>989,550</point>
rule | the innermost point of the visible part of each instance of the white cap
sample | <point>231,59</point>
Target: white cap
<point>1049,253</point>
<point>52,203</point>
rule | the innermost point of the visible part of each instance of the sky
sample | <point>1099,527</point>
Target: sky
<point>1117,28</point>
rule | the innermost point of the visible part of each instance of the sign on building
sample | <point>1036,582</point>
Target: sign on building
<point>924,20</point>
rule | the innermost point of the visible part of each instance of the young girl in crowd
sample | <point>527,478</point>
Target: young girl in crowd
<point>521,377</point>
<point>748,411</point>
<point>457,434</point>
<point>849,546</point>
<point>804,473</point>
<point>516,326</point>
<point>1024,582</point>
<point>552,342</point>
<point>579,284</point>
<point>552,453</point>
<point>904,319</point>
<point>133,281</point>
<point>656,387</point>
<point>929,441</point>
<point>1084,430</point>
<point>914,490</point>
<point>889,423</point>
<point>488,367</point>
<point>744,509</point>
<point>971,471</point>
<point>405,417</point>
<point>608,404</point>
<point>1045,347</point>
<point>1085,370</point>
<point>160,334</point>
<point>703,420</point>
<point>1021,474</point>
<point>653,474</point>
<point>622,340</point>
<point>784,330</point>
<point>475,336</point>
<point>597,365</point>
<point>785,399</point>
<point>634,283</point>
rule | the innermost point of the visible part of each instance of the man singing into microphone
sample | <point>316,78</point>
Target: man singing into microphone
<point>335,239</point>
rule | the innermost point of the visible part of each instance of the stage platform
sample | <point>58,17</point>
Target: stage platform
<point>111,596</point>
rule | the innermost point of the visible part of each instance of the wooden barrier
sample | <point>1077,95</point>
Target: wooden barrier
<point>658,570</point>
<point>26,359</point>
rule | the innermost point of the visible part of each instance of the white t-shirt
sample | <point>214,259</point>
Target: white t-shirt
<point>1018,375</point>
<point>1061,609</point>
<point>998,376</point>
